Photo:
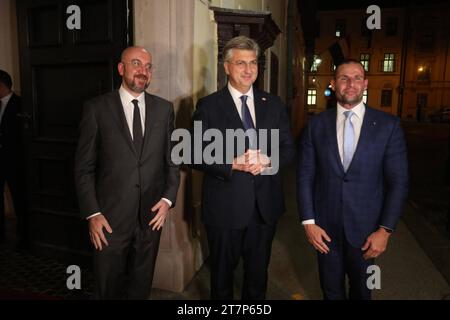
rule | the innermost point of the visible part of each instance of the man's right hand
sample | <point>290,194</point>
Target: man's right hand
<point>252,161</point>
<point>96,225</point>
<point>316,235</point>
<point>241,163</point>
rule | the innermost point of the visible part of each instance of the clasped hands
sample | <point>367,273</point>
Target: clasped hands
<point>252,161</point>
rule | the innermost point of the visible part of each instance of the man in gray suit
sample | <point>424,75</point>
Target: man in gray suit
<point>125,179</point>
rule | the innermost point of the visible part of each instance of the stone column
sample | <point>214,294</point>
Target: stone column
<point>166,29</point>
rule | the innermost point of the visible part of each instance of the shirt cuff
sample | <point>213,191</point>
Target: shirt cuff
<point>168,202</point>
<point>309,221</point>
<point>93,215</point>
<point>387,229</point>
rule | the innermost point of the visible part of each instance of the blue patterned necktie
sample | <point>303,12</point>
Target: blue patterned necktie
<point>247,120</point>
<point>349,139</point>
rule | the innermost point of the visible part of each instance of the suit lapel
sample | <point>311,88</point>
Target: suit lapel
<point>260,109</point>
<point>229,109</point>
<point>368,133</point>
<point>332,139</point>
<point>119,116</point>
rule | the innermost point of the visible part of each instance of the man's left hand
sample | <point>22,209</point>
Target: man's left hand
<point>161,209</point>
<point>258,162</point>
<point>376,244</point>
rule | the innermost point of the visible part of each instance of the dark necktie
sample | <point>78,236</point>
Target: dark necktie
<point>246,116</point>
<point>137,128</point>
<point>247,121</point>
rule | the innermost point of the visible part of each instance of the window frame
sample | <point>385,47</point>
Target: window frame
<point>388,63</point>
<point>311,95</point>
<point>365,60</point>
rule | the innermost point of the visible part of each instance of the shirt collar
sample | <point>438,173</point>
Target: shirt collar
<point>5,99</point>
<point>358,110</point>
<point>127,97</point>
<point>237,94</point>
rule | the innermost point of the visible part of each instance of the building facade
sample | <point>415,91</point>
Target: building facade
<point>406,61</point>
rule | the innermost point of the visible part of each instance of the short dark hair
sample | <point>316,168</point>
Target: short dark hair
<point>241,43</point>
<point>349,61</point>
<point>5,78</point>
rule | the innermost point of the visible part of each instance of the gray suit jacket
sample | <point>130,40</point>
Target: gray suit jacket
<point>110,177</point>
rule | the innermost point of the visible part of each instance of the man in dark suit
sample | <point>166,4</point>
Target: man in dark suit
<point>125,179</point>
<point>352,184</point>
<point>241,204</point>
<point>11,158</point>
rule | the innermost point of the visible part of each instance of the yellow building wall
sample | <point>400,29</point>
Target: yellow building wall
<point>205,51</point>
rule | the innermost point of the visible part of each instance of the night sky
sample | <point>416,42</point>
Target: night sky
<point>355,4</point>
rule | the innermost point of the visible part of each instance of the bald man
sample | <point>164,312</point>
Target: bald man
<point>125,179</point>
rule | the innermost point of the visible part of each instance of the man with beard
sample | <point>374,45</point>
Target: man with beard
<point>125,179</point>
<point>353,180</point>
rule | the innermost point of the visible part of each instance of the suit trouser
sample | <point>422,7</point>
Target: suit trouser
<point>226,246</point>
<point>17,190</point>
<point>124,269</point>
<point>344,259</point>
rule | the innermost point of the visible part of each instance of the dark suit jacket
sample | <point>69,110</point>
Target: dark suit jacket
<point>373,190</point>
<point>11,146</point>
<point>110,177</point>
<point>229,197</point>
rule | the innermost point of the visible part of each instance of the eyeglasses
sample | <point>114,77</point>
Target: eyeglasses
<point>137,64</point>
<point>242,64</point>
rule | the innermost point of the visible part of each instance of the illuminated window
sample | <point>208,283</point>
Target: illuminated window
<point>316,63</point>
<point>312,97</point>
<point>365,58</point>
<point>389,62</point>
<point>365,96</point>
<point>424,73</point>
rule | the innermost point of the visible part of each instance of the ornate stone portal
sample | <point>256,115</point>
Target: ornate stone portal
<point>166,28</point>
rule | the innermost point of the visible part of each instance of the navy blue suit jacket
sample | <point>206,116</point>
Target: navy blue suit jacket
<point>372,191</point>
<point>229,197</point>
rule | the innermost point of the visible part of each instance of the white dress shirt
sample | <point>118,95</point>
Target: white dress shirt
<point>128,109</point>
<point>357,120</point>
<point>236,95</point>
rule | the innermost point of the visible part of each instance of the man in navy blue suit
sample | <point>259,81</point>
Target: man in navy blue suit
<point>240,203</point>
<point>352,184</point>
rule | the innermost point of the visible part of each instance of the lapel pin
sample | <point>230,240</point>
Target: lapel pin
<point>263,99</point>
<point>374,123</point>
